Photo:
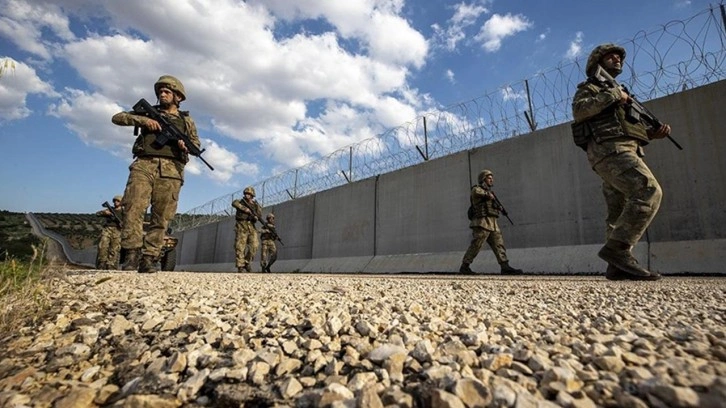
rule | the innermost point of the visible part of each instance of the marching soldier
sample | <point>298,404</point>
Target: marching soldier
<point>268,235</point>
<point>246,240</point>
<point>614,149</point>
<point>109,243</point>
<point>484,226</point>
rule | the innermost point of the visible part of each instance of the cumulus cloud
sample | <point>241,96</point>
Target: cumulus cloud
<point>465,15</point>
<point>23,23</point>
<point>575,49</point>
<point>18,80</point>
<point>499,27</point>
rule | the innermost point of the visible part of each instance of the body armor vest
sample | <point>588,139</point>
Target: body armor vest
<point>266,233</point>
<point>611,123</point>
<point>484,207</point>
<point>145,145</point>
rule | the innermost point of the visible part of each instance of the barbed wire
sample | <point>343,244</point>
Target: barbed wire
<point>676,56</point>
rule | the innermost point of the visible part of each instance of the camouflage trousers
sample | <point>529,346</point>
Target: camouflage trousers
<point>246,243</point>
<point>154,181</point>
<point>268,255</point>
<point>493,238</point>
<point>109,248</point>
<point>632,194</point>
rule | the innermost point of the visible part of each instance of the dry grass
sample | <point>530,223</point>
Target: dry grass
<point>23,288</point>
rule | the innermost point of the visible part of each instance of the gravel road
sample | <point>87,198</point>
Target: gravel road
<point>225,340</point>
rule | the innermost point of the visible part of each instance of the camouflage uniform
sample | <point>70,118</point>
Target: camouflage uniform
<point>109,242</point>
<point>268,236</point>
<point>614,150</point>
<point>156,177</point>
<point>485,228</point>
<point>246,240</point>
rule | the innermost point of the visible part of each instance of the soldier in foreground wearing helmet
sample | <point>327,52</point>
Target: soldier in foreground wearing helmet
<point>109,243</point>
<point>484,226</point>
<point>155,177</point>
<point>268,255</point>
<point>246,240</point>
<point>614,150</point>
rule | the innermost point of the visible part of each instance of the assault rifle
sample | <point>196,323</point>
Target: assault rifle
<point>113,213</point>
<point>499,204</point>
<point>168,130</point>
<point>263,222</point>
<point>635,112</point>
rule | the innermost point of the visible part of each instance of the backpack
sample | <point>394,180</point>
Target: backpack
<point>581,134</point>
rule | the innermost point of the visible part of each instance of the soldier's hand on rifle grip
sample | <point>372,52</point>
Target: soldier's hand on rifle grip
<point>182,146</point>
<point>152,125</point>
<point>624,97</point>
<point>663,131</point>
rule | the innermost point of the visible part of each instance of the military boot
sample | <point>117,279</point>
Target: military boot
<point>465,269</point>
<point>615,274</point>
<point>132,259</point>
<point>508,270</point>
<point>148,264</point>
<point>618,254</point>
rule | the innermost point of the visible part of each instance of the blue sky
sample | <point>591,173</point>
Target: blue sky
<point>272,84</point>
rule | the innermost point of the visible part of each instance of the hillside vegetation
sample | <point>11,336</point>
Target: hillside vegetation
<point>16,237</point>
<point>80,230</point>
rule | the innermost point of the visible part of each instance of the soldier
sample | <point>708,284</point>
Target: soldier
<point>268,235</point>
<point>246,240</point>
<point>614,150</point>
<point>484,226</point>
<point>109,243</point>
<point>155,177</point>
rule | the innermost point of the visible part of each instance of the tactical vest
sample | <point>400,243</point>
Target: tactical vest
<point>146,146</point>
<point>110,221</point>
<point>266,234</point>
<point>611,123</point>
<point>243,216</point>
<point>484,207</point>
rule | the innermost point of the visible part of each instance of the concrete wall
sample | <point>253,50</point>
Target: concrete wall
<point>413,220</point>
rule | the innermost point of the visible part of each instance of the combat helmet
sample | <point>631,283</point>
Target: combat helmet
<point>249,190</point>
<point>172,83</point>
<point>270,216</point>
<point>118,198</point>
<point>483,174</point>
<point>600,51</point>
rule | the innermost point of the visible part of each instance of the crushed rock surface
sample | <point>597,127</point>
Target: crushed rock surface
<point>181,339</point>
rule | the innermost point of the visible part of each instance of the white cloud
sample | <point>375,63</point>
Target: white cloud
<point>23,23</point>
<point>575,49</point>
<point>450,76</point>
<point>499,27</point>
<point>509,94</point>
<point>376,23</point>
<point>19,80</point>
<point>464,16</point>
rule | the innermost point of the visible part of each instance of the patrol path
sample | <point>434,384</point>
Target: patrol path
<point>215,339</point>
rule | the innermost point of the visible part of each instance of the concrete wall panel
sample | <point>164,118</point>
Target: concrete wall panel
<point>206,243</point>
<point>294,222</point>
<point>344,221</point>
<point>188,249</point>
<point>422,209</point>
<point>224,251</point>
